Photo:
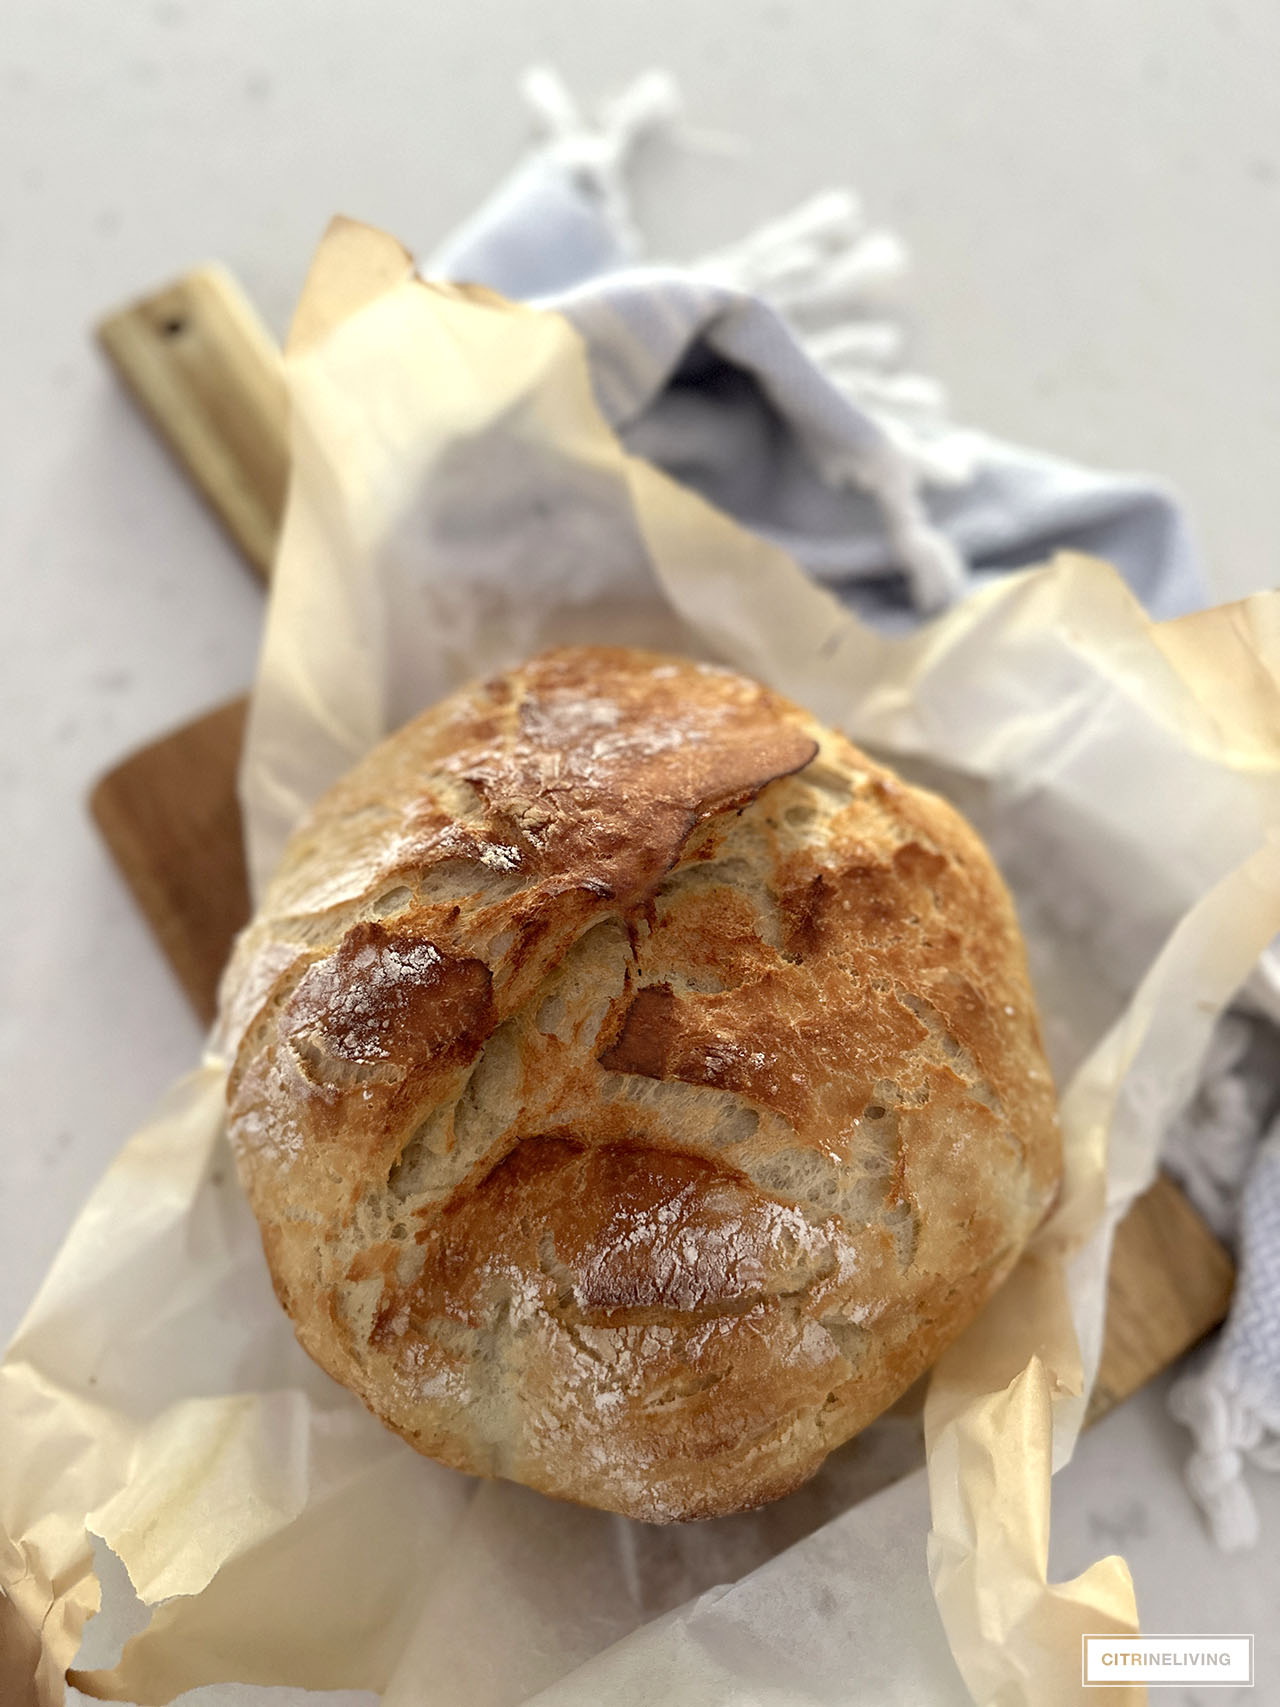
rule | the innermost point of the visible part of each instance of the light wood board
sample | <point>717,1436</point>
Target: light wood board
<point>171,818</point>
<point>204,368</point>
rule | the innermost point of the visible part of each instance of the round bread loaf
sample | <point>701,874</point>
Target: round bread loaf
<point>637,1086</point>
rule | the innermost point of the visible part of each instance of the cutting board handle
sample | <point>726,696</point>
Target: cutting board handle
<point>206,370</point>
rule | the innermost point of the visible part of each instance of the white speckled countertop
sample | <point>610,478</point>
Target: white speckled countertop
<point>1092,194</point>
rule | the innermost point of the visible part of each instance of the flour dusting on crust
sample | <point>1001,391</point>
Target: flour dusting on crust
<point>637,1086</point>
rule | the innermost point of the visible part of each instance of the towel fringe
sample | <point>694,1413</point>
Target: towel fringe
<point>827,274</point>
<point>1229,1428</point>
<point>598,148</point>
<point>936,573</point>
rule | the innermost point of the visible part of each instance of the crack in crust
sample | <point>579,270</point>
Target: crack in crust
<point>637,1086</point>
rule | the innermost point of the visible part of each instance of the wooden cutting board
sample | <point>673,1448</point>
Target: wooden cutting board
<point>194,355</point>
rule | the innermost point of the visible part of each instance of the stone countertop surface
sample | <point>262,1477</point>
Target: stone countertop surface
<point>1092,197</point>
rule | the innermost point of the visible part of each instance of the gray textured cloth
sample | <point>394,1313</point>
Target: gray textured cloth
<point>1226,1151</point>
<point>716,372</point>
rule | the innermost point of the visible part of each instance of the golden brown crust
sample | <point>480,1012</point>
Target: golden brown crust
<point>637,1086</point>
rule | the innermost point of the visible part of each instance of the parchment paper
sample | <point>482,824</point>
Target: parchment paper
<point>456,503</point>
